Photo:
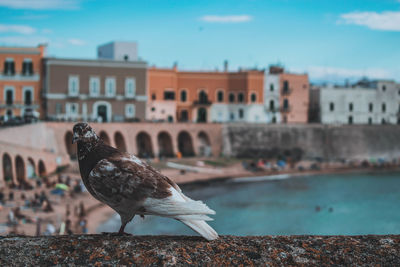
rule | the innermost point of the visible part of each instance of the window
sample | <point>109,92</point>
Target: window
<point>153,109</point>
<point>27,67</point>
<point>130,110</point>
<point>383,107</point>
<point>9,66</point>
<point>369,120</point>
<point>371,107</point>
<point>331,106</point>
<point>184,115</point>
<point>110,87</point>
<point>231,97</point>
<point>58,108</point>
<point>274,119</point>
<point>286,104</point>
<point>351,107</point>
<point>240,97</point>
<point>130,87</point>
<point>286,86</point>
<point>241,113</point>
<point>272,105</point>
<point>220,96</point>
<point>183,96</point>
<point>168,95</point>
<point>203,98</point>
<point>73,85</point>
<point>253,97</point>
<point>94,86</point>
<point>232,117</point>
<point>153,96</point>
<point>271,87</point>
<point>383,121</point>
<point>383,88</point>
<point>350,119</point>
<point>71,109</point>
<point>28,96</point>
<point>9,96</point>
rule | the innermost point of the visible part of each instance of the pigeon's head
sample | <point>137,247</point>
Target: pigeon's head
<point>84,133</point>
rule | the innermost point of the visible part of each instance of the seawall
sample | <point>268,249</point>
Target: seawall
<point>98,250</point>
<point>312,141</point>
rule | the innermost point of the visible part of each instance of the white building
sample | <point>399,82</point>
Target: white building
<point>238,113</point>
<point>271,98</point>
<point>124,51</point>
<point>374,103</point>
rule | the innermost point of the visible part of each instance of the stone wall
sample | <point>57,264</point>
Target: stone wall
<point>311,141</point>
<point>109,250</point>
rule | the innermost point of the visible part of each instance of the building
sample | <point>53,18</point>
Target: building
<point>20,81</point>
<point>294,97</point>
<point>272,94</point>
<point>374,102</point>
<point>206,96</point>
<point>95,90</point>
<point>123,51</point>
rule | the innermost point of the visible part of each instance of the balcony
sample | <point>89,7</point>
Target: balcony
<point>286,109</point>
<point>202,103</point>
<point>286,91</point>
<point>18,104</point>
<point>19,77</point>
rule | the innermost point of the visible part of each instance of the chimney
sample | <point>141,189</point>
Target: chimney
<point>175,66</point>
<point>226,65</point>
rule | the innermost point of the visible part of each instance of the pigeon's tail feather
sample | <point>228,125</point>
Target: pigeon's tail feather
<point>175,205</point>
<point>202,228</point>
<point>196,217</point>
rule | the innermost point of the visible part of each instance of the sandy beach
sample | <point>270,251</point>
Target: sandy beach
<point>96,213</point>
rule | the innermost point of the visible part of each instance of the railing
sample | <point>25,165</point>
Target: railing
<point>286,91</point>
<point>18,104</point>
<point>286,109</point>
<point>202,102</point>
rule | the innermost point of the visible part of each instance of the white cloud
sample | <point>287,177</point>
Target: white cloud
<point>385,21</point>
<point>23,40</point>
<point>334,74</point>
<point>22,29</point>
<point>226,19</point>
<point>76,42</point>
<point>40,4</point>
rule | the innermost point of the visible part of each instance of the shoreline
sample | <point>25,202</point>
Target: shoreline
<point>100,215</point>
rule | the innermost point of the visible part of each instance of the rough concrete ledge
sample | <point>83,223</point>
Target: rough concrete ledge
<point>96,250</point>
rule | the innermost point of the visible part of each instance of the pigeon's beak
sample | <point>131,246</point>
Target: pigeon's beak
<point>75,138</point>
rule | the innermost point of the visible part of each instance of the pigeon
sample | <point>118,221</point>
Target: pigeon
<point>132,187</point>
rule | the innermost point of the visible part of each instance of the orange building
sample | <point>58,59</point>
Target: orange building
<point>20,81</point>
<point>204,96</point>
<point>294,97</point>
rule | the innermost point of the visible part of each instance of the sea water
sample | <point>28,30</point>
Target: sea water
<point>351,204</point>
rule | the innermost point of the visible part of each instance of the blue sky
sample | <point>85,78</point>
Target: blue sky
<point>331,40</point>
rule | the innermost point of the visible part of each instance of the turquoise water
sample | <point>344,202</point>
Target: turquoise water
<point>349,205</point>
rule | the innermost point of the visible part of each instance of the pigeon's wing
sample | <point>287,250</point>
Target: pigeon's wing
<point>125,177</point>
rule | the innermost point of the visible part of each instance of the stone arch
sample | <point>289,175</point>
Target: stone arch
<point>20,170</point>
<point>144,145</point>
<point>185,144</point>
<point>42,168</point>
<point>204,144</point>
<point>71,148</point>
<point>165,144</point>
<point>7,169</point>
<point>119,141</point>
<point>104,136</point>
<point>30,169</point>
